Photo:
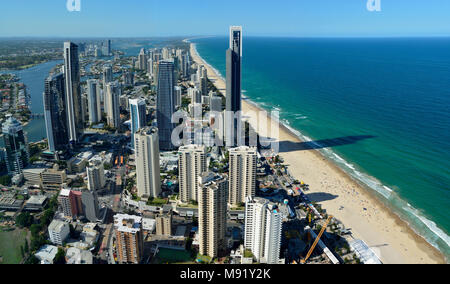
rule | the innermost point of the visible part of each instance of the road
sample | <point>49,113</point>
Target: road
<point>106,249</point>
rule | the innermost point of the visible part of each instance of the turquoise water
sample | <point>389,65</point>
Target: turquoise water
<point>379,108</point>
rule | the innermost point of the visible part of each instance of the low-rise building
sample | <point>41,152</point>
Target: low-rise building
<point>48,179</point>
<point>33,176</point>
<point>148,225</point>
<point>9,202</point>
<point>36,203</point>
<point>46,254</point>
<point>53,179</point>
<point>78,256</point>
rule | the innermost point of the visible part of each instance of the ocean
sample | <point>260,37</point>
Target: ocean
<point>379,108</point>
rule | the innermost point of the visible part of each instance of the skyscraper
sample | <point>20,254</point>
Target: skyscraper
<point>212,214</point>
<point>242,167</point>
<point>16,146</point>
<point>263,224</point>
<point>84,107</point>
<point>128,78</point>
<point>147,162</point>
<point>107,78</point>
<point>129,238</point>
<point>215,103</point>
<point>107,75</point>
<point>195,95</point>
<point>150,69</point>
<point>55,113</point>
<point>70,202</point>
<point>178,93</point>
<point>138,116</point>
<point>165,106</point>
<point>94,101</point>
<point>96,176</point>
<point>142,60</point>
<point>113,104</point>
<point>89,201</point>
<point>191,165</point>
<point>108,47</point>
<point>73,93</point>
<point>233,93</point>
<point>185,65</point>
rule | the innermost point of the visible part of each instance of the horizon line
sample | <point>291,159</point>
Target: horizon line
<point>190,37</point>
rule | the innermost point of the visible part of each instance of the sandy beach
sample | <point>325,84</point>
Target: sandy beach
<point>369,219</point>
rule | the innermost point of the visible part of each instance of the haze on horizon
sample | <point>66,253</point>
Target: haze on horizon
<point>137,18</point>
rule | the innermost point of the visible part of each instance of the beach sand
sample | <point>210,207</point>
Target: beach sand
<point>392,240</point>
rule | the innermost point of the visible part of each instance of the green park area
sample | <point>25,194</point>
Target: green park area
<point>172,256</point>
<point>10,245</point>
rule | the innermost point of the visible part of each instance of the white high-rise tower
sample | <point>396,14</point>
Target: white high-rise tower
<point>243,163</point>
<point>146,145</point>
<point>191,165</point>
<point>263,225</point>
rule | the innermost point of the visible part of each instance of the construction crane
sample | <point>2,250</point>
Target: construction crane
<point>303,261</point>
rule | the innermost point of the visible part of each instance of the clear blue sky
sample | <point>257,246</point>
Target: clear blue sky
<point>136,18</point>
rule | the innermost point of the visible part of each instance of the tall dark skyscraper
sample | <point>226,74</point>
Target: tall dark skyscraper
<point>108,47</point>
<point>233,94</point>
<point>16,146</point>
<point>55,113</point>
<point>73,93</point>
<point>165,103</point>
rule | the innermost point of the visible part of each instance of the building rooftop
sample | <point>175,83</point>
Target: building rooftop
<point>127,223</point>
<point>35,170</point>
<point>78,256</point>
<point>46,254</point>
<point>64,192</point>
<point>193,147</point>
<point>148,224</point>
<point>243,149</point>
<point>56,225</point>
<point>36,200</point>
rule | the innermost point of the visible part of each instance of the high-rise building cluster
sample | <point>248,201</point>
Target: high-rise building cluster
<point>74,115</point>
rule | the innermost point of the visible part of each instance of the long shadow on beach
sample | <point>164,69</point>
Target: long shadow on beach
<point>321,196</point>
<point>289,146</point>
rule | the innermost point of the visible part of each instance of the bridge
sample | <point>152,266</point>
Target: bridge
<point>37,115</point>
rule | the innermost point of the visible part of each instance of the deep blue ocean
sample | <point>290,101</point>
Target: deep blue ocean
<point>378,108</point>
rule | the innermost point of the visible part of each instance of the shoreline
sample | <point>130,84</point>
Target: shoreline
<point>354,203</point>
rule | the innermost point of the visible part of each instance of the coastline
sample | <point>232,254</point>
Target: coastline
<point>356,205</point>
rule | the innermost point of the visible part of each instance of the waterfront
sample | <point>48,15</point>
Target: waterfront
<point>378,145</point>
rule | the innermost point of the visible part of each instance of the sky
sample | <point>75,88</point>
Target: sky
<point>297,18</point>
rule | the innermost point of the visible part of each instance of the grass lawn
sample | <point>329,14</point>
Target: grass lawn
<point>172,256</point>
<point>10,243</point>
<point>204,258</point>
<point>157,202</point>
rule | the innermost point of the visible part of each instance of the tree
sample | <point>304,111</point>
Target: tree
<point>37,242</point>
<point>24,220</point>
<point>60,257</point>
<point>47,217</point>
<point>35,229</point>
<point>32,260</point>
<point>5,180</point>
<point>26,248</point>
